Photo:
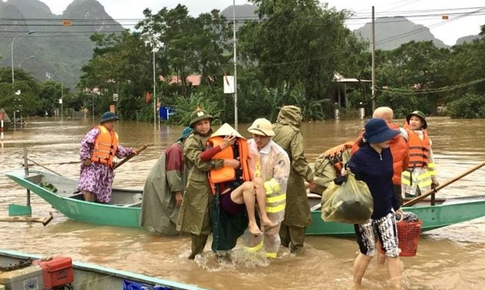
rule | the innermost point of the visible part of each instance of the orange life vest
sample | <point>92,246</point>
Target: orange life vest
<point>418,149</point>
<point>239,151</point>
<point>105,146</point>
<point>334,155</point>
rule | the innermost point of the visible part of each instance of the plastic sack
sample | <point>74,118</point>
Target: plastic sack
<point>350,203</point>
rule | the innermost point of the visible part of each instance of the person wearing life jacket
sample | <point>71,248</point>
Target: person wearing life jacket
<point>194,216</point>
<point>269,162</point>
<point>97,152</point>
<point>397,145</point>
<point>238,193</point>
<point>420,175</point>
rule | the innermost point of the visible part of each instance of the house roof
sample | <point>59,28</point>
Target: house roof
<point>193,79</point>
<point>338,78</point>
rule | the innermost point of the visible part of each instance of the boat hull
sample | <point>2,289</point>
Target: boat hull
<point>94,277</point>
<point>127,214</point>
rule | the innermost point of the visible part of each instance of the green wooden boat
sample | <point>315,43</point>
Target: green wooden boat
<point>124,211</point>
<point>23,275</point>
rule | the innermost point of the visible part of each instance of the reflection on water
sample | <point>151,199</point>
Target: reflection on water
<point>448,258</point>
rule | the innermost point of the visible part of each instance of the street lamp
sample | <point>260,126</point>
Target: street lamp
<point>154,51</point>
<point>11,51</point>
<point>30,57</point>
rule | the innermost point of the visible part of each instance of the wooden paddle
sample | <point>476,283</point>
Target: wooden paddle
<point>132,155</point>
<point>430,192</point>
<point>28,219</point>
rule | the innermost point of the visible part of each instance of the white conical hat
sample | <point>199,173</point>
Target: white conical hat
<point>227,130</point>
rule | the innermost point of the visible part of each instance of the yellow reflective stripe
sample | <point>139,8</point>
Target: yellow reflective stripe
<point>257,170</point>
<point>267,188</point>
<point>275,199</point>
<point>254,249</point>
<point>271,186</point>
<point>273,209</point>
<point>271,255</point>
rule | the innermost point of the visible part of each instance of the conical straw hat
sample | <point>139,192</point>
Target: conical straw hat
<point>227,130</point>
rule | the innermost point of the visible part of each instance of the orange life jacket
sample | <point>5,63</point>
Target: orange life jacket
<point>239,151</point>
<point>334,155</point>
<point>105,146</point>
<point>418,149</point>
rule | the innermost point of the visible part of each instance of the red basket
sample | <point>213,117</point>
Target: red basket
<point>408,235</point>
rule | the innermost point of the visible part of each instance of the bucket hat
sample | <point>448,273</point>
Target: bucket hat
<point>198,115</point>
<point>419,114</point>
<point>108,116</point>
<point>261,127</point>
<point>377,131</point>
<point>185,133</point>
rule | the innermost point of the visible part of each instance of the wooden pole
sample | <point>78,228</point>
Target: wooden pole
<point>373,41</point>
<point>28,219</point>
<point>131,156</point>
<point>430,192</point>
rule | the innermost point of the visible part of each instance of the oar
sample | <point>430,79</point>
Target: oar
<point>29,219</point>
<point>430,192</point>
<point>132,155</point>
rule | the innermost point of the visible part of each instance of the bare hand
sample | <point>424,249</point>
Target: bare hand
<point>87,162</point>
<point>228,141</point>
<point>134,152</point>
<point>311,185</point>
<point>434,183</point>
<point>178,199</point>
<point>233,163</point>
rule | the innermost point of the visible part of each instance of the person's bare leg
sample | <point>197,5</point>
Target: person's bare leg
<point>261,200</point>
<point>88,196</point>
<point>245,194</point>
<point>360,266</point>
<point>394,269</point>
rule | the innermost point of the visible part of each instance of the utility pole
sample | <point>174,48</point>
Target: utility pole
<point>373,36</point>
<point>235,61</point>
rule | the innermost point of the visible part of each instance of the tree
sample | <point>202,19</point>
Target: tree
<point>299,45</point>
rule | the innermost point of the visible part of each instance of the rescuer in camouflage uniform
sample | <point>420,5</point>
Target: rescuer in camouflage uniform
<point>297,213</point>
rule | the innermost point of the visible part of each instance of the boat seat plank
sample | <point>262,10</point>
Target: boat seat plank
<point>135,204</point>
<point>35,178</point>
<point>77,195</point>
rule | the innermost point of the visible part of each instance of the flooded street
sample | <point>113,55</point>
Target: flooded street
<point>448,258</point>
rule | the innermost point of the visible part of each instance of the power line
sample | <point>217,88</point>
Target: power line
<point>431,91</point>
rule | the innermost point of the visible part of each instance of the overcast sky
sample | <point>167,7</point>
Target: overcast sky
<point>464,17</point>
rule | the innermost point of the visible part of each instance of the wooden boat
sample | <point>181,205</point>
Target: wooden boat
<point>85,276</point>
<point>124,211</point>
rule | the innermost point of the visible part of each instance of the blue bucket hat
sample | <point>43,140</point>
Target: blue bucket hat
<point>185,133</point>
<point>377,131</point>
<point>108,116</point>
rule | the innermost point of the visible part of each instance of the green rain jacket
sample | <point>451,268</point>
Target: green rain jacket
<point>289,137</point>
<point>159,213</point>
<point>194,216</point>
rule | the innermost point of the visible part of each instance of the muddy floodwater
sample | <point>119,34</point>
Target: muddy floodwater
<point>448,258</point>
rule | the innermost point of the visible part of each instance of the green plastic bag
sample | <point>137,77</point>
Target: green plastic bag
<point>349,203</point>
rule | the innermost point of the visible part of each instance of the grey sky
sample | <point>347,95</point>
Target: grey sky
<point>427,12</point>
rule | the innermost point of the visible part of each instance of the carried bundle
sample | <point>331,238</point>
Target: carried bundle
<point>329,164</point>
<point>351,202</point>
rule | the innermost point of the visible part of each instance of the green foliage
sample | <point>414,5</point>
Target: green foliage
<point>298,46</point>
<point>468,106</point>
<point>185,107</point>
<point>402,102</point>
